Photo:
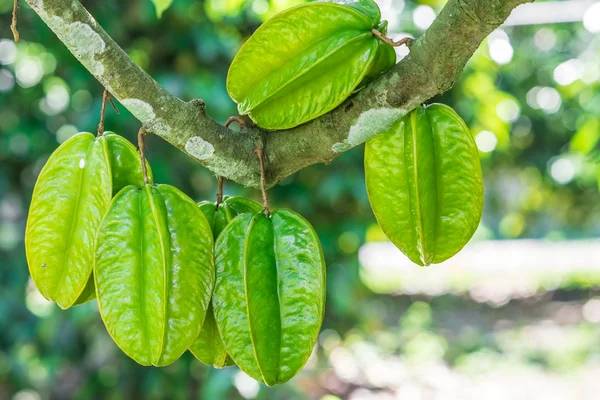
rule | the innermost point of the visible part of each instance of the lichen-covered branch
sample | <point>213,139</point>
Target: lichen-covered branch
<point>435,61</point>
<point>183,124</point>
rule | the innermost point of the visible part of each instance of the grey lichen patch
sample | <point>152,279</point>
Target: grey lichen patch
<point>341,147</point>
<point>145,113</point>
<point>159,127</point>
<point>140,109</point>
<point>80,38</point>
<point>85,44</point>
<point>372,122</point>
<point>199,148</point>
<point>236,170</point>
<point>393,79</point>
<point>36,4</point>
<point>369,124</point>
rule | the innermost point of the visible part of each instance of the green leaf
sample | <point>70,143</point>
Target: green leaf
<point>161,6</point>
<point>586,138</point>
<point>218,9</point>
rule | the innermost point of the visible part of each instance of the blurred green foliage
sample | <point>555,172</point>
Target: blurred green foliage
<point>531,96</point>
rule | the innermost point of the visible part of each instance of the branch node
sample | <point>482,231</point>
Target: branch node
<point>200,104</point>
<point>235,118</point>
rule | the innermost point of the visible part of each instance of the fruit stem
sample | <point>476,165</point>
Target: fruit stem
<point>142,148</point>
<point>13,25</point>
<point>237,119</point>
<point>263,182</point>
<point>220,181</point>
<point>105,96</point>
<point>390,41</point>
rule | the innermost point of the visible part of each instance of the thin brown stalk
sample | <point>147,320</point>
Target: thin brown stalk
<point>390,41</point>
<point>13,25</point>
<point>263,180</point>
<point>105,97</point>
<point>220,181</point>
<point>142,148</point>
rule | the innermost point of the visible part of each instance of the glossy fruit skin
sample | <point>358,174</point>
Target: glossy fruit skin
<point>71,194</point>
<point>384,60</point>
<point>125,163</point>
<point>424,183</point>
<point>154,272</point>
<point>208,346</point>
<point>231,206</point>
<point>269,294</point>
<point>125,170</point>
<point>305,61</point>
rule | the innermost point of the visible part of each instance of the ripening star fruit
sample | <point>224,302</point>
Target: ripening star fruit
<point>70,196</point>
<point>208,346</point>
<point>424,183</point>
<point>154,272</point>
<point>269,293</point>
<point>305,61</point>
<point>220,216</point>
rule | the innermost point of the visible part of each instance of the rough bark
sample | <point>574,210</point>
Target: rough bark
<point>435,61</point>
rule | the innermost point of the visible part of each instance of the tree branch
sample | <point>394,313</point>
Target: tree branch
<point>435,61</point>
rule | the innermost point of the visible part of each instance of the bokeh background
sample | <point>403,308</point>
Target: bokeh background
<point>515,316</point>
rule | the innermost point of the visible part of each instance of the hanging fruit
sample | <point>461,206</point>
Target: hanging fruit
<point>153,271</point>
<point>71,194</point>
<point>208,346</point>
<point>125,163</point>
<point>424,183</point>
<point>219,216</point>
<point>306,60</point>
<point>269,293</point>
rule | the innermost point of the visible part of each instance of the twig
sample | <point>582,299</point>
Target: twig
<point>112,103</point>
<point>105,96</point>
<point>13,25</point>
<point>263,181</point>
<point>142,148</point>
<point>220,181</point>
<point>237,119</point>
<point>390,41</point>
